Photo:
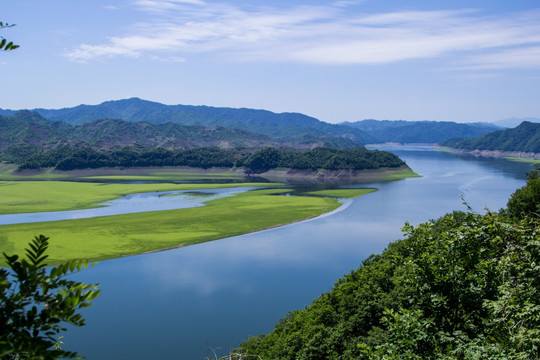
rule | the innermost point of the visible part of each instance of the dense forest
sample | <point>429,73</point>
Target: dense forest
<point>464,286</point>
<point>259,161</point>
<point>523,138</point>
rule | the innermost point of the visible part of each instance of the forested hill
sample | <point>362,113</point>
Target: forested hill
<point>523,138</point>
<point>464,286</point>
<point>433,132</point>
<point>282,125</point>
<point>260,161</point>
<point>30,128</point>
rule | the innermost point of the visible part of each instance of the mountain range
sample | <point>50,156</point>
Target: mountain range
<point>160,123</point>
<point>283,127</point>
<point>30,128</point>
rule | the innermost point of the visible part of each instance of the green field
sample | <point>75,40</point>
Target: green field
<point>122,235</point>
<point>342,193</point>
<point>526,160</point>
<point>172,176</point>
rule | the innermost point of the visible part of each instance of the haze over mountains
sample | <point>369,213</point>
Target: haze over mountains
<point>513,122</point>
<point>192,126</point>
<point>401,131</point>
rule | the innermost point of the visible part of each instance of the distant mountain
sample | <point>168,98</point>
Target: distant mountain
<point>30,128</point>
<point>524,138</point>
<point>401,131</point>
<point>284,127</point>
<point>513,122</point>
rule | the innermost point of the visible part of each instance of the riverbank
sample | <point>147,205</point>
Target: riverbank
<point>210,175</point>
<point>510,155</point>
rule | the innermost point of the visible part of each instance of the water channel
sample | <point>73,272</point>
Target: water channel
<point>191,302</point>
<point>129,204</point>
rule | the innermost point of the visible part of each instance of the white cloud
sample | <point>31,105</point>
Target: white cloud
<point>331,34</point>
<point>526,57</point>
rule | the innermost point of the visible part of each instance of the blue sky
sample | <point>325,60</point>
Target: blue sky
<point>341,60</point>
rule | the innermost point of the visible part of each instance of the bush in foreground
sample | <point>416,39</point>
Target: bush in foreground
<point>36,302</point>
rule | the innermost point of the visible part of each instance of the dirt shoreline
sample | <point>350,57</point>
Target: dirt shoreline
<point>271,175</point>
<point>493,153</point>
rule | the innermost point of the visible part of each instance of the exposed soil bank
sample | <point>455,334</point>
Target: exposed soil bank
<point>279,175</point>
<point>493,153</point>
<point>357,176</point>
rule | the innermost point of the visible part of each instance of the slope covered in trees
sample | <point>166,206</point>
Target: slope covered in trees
<point>434,132</point>
<point>464,286</point>
<point>69,158</point>
<point>30,128</point>
<point>285,126</point>
<point>523,138</point>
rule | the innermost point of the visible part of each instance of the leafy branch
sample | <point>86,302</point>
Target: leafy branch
<point>4,44</point>
<point>36,302</point>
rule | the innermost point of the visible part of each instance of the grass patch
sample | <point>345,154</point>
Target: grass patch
<point>341,193</point>
<point>525,160</point>
<point>122,235</point>
<point>166,177</point>
<point>38,196</point>
<point>8,172</point>
<point>172,175</point>
<point>398,175</point>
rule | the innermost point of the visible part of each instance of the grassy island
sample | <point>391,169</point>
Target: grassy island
<point>122,235</point>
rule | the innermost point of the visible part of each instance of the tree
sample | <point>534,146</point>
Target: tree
<point>4,44</point>
<point>526,200</point>
<point>37,301</point>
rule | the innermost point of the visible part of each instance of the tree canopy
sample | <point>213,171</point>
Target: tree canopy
<point>255,161</point>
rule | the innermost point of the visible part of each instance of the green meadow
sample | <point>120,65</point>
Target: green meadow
<point>341,193</point>
<point>526,160</point>
<point>172,176</point>
<point>123,235</point>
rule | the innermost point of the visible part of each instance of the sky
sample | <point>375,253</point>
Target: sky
<point>341,60</point>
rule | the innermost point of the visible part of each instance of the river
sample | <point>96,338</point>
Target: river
<point>194,302</point>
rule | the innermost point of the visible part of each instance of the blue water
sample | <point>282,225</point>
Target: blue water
<point>181,303</point>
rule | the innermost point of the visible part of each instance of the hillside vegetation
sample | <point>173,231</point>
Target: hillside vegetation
<point>523,138</point>
<point>262,160</point>
<point>30,128</point>
<point>292,129</point>
<point>283,126</point>
<point>464,286</point>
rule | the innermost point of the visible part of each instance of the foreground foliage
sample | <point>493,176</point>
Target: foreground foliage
<point>36,302</point>
<point>464,286</point>
<point>6,45</point>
